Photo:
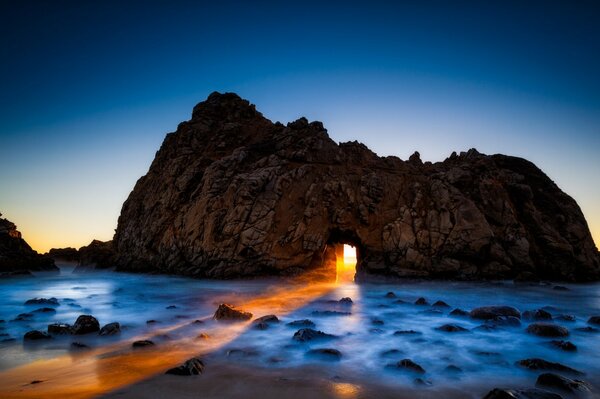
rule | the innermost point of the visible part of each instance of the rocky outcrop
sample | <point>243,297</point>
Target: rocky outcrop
<point>64,254</point>
<point>231,194</point>
<point>97,255</point>
<point>16,255</point>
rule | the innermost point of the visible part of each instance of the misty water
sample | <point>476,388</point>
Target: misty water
<point>364,330</point>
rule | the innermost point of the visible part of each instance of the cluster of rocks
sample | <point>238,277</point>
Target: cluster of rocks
<point>231,194</point>
<point>16,256</point>
<point>96,255</point>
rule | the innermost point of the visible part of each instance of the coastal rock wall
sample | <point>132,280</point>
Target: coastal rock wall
<point>231,194</point>
<point>16,255</point>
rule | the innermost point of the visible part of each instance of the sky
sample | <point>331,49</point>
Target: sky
<point>88,89</point>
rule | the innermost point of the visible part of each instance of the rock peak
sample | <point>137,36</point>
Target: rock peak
<point>231,194</point>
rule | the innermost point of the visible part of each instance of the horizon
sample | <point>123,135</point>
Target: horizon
<point>91,90</point>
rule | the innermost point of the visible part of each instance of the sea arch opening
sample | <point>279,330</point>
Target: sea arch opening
<point>344,250</point>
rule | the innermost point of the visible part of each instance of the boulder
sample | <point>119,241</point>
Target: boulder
<point>594,320</point>
<point>566,346</point>
<point>42,301</point>
<point>59,329</point>
<point>85,324</point>
<point>230,313</point>
<point>231,194</point>
<point>541,364</point>
<point>440,304</point>
<point>35,335</point>
<point>193,366</point>
<point>110,329</point>
<point>421,301</point>
<point>537,315</point>
<point>407,364</point>
<point>557,382</point>
<point>144,343</point>
<point>459,312</point>
<point>492,312</point>
<point>16,256</point>
<point>498,393</point>
<point>308,334</point>
<point>451,328</point>
<point>325,353</point>
<point>547,330</point>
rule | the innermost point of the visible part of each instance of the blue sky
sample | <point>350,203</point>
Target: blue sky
<point>89,89</point>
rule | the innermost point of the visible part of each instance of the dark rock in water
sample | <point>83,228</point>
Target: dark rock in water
<point>151,321</point>
<point>110,329</point>
<point>587,329</point>
<point>547,330</point>
<point>79,346</point>
<point>97,255</point>
<point>268,319</point>
<point>541,364</point>
<point>241,353</point>
<point>330,313</point>
<point>390,295</point>
<point>230,313</point>
<point>421,301</point>
<point>486,328</point>
<point>498,393</point>
<point>560,383</point>
<point>451,328</point>
<point>16,256</point>
<point>35,335</point>
<point>346,301</point>
<point>440,304</point>
<point>301,323</point>
<point>64,254</point>
<point>308,334</point>
<point>566,317</point>
<point>421,382</point>
<point>142,343</point>
<point>377,322</point>
<point>23,317</point>
<point>45,310</point>
<point>451,368</point>
<point>566,346</point>
<point>59,329</point>
<point>459,312</point>
<point>42,301</point>
<point>325,353</point>
<point>492,312</point>
<point>408,364</point>
<point>407,332</point>
<point>475,216</point>
<point>560,288</point>
<point>503,321</point>
<point>85,324</point>
<point>594,320</point>
<point>391,353</point>
<point>171,307</point>
<point>537,315</point>
<point>196,322</point>
<point>400,302</point>
<point>193,366</point>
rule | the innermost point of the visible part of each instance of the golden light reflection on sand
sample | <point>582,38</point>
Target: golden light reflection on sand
<point>111,367</point>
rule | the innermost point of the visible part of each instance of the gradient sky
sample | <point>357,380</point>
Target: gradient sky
<point>88,89</point>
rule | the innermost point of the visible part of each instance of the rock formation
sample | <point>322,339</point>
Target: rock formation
<point>16,256</point>
<point>98,254</point>
<point>231,194</point>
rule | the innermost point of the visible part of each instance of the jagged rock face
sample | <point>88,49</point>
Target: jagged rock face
<point>16,255</point>
<point>98,254</point>
<point>231,194</point>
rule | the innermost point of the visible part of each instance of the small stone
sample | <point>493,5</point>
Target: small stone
<point>346,301</point>
<point>558,382</point>
<point>193,366</point>
<point>491,312</point>
<point>45,310</point>
<point>541,364</point>
<point>142,343</point>
<point>566,346</point>
<point>407,332</point>
<point>408,364</point>
<point>538,314</point>
<point>440,304</point>
<point>85,324</point>
<point>110,329</point>
<point>36,335</point>
<point>230,313</point>
<point>547,330</point>
<point>421,301</point>
<point>390,295</point>
<point>171,307</point>
<point>451,328</point>
<point>42,301</point>
<point>325,353</point>
<point>301,323</point>
<point>59,329</point>
<point>459,312</point>
<point>308,334</point>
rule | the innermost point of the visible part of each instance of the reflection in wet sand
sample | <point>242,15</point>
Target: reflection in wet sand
<point>110,367</point>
